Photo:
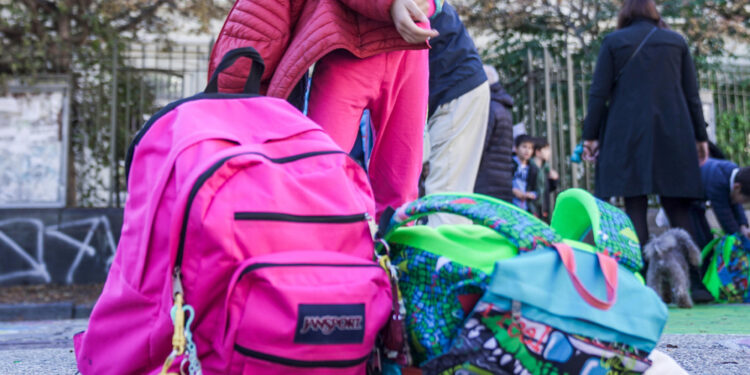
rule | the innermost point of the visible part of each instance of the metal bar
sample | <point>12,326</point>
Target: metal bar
<point>184,70</point>
<point>584,104</point>
<point>718,94</point>
<point>113,126</point>
<point>142,89</point>
<point>560,122</point>
<point>548,102</point>
<point>573,127</point>
<point>530,81</point>
<point>726,92</point>
<point>128,121</point>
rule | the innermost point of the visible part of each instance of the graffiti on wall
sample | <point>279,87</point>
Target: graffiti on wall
<point>75,251</point>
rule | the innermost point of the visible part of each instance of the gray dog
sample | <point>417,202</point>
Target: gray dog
<point>668,256</point>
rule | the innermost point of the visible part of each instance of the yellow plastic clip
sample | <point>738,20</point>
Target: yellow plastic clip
<point>168,363</point>
<point>178,338</point>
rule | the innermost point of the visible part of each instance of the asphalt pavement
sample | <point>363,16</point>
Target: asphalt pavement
<point>46,347</point>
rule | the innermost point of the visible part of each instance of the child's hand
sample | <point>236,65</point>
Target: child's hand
<point>531,196</point>
<point>553,175</point>
<point>519,194</point>
<point>404,14</point>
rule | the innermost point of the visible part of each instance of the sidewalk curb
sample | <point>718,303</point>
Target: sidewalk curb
<point>44,311</point>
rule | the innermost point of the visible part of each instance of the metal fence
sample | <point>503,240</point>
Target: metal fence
<point>551,98</point>
<point>115,100</point>
<point>726,103</point>
<point>552,95</point>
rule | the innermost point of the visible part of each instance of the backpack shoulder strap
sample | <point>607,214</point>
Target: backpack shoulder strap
<point>522,229</point>
<point>638,49</point>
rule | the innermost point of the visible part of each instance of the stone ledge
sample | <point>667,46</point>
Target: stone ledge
<point>44,311</point>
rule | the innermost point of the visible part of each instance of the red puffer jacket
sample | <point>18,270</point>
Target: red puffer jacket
<point>292,35</point>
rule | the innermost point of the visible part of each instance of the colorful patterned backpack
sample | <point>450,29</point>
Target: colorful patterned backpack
<point>443,271</point>
<point>729,268</point>
<point>567,308</point>
<point>581,217</point>
<point>558,310</point>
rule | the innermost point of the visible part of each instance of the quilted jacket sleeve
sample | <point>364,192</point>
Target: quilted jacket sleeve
<point>375,9</point>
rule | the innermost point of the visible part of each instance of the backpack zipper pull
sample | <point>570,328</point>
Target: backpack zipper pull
<point>373,226</point>
<point>176,281</point>
<point>178,314</point>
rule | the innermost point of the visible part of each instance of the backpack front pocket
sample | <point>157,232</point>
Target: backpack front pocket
<point>305,312</point>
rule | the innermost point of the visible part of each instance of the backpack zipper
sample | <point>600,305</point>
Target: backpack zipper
<point>257,266</point>
<point>210,171</point>
<point>297,363</point>
<point>274,216</point>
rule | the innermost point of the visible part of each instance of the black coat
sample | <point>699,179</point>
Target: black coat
<point>495,176</point>
<point>654,118</point>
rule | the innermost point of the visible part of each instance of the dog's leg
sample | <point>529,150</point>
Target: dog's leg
<point>681,288</point>
<point>654,281</point>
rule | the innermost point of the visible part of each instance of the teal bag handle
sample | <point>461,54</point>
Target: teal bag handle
<point>608,266</point>
<point>521,228</point>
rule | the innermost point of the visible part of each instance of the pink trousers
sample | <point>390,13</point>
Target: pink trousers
<point>394,87</point>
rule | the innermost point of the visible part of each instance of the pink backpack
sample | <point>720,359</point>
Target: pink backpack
<point>246,210</point>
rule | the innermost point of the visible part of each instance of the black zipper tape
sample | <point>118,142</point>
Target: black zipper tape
<point>211,170</point>
<point>256,266</point>
<point>275,216</point>
<point>297,363</point>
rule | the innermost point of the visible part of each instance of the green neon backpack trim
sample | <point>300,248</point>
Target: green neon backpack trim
<point>579,214</point>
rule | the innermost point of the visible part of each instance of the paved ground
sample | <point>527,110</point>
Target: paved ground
<point>46,348</point>
<point>43,347</point>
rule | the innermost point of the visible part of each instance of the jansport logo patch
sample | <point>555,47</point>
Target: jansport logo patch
<point>330,324</point>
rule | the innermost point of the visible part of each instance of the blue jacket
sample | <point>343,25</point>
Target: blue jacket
<point>715,175</point>
<point>455,65</point>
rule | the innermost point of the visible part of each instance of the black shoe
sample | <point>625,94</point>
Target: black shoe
<point>701,296</point>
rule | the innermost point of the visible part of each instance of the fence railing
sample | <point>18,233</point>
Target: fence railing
<point>116,100</point>
<point>551,100</point>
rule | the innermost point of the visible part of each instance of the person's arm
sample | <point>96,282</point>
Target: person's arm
<point>531,181</point>
<point>552,181</point>
<point>601,88</point>
<point>690,89</point>
<point>718,194</point>
<point>739,215</point>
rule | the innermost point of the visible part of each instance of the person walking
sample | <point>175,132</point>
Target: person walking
<point>644,141</point>
<point>459,104</point>
<point>495,176</point>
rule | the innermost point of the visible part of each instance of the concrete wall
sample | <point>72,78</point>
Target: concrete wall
<point>61,246</point>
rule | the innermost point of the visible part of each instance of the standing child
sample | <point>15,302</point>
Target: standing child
<point>524,172</point>
<point>369,54</point>
<point>546,181</point>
